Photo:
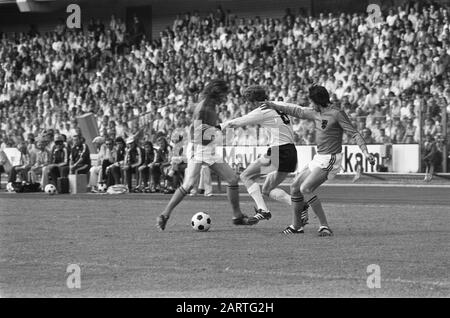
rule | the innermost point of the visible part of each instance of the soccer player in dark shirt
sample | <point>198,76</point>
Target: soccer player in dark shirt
<point>331,123</point>
<point>204,140</point>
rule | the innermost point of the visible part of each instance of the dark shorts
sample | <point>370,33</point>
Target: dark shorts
<point>286,161</point>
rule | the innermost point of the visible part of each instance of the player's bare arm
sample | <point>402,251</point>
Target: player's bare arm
<point>252,118</point>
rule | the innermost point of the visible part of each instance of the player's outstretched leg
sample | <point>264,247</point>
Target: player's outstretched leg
<point>192,172</point>
<point>225,172</point>
<point>248,177</point>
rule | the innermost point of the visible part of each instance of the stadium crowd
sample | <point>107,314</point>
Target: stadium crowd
<point>390,76</point>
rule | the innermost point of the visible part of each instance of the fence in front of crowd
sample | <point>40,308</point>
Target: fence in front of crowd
<point>398,158</point>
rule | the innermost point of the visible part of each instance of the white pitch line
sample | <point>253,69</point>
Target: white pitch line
<point>387,185</point>
<point>377,185</point>
<point>380,185</point>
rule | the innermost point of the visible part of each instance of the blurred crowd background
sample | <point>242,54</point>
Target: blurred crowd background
<point>390,76</point>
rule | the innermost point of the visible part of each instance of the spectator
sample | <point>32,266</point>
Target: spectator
<point>58,163</point>
<point>398,131</point>
<point>383,138</point>
<point>80,160</point>
<point>431,157</point>
<point>144,169</point>
<point>30,143</point>
<point>178,163</point>
<point>371,100</point>
<point>24,165</point>
<point>132,161</point>
<point>429,127</point>
<point>410,132</point>
<point>376,130</point>
<point>161,160</point>
<point>40,159</point>
<point>367,135</point>
<point>5,164</point>
<point>114,171</point>
<point>106,157</point>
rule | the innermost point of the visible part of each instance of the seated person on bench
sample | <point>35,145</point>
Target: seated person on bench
<point>41,158</point>
<point>178,164</point>
<point>106,157</point>
<point>80,158</point>
<point>113,171</point>
<point>59,159</point>
<point>24,165</point>
<point>133,159</point>
<point>5,164</point>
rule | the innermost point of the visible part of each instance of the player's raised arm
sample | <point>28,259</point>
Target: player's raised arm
<point>348,128</point>
<point>252,118</point>
<point>289,109</point>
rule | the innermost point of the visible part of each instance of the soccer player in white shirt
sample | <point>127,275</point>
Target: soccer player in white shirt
<point>282,153</point>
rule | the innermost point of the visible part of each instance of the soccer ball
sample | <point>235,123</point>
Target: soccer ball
<point>201,222</point>
<point>102,187</point>
<point>50,189</point>
<point>10,188</point>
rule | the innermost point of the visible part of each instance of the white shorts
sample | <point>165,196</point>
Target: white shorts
<point>207,155</point>
<point>329,163</point>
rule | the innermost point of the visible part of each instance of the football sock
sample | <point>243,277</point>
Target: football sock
<point>298,204</point>
<point>177,197</point>
<point>280,195</point>
<point>233,198</point>
<point>316,206</point>
<point>255,192</point>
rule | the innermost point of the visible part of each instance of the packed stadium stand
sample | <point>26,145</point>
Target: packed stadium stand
<point>390,76</point>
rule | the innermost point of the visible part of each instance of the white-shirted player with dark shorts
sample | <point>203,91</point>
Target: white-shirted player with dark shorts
<point>282,154</point>
<point>331,123</point>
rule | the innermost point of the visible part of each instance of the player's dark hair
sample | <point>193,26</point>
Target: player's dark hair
<point>215,88</point>
<point>255,93</point>
<point>319,95</point>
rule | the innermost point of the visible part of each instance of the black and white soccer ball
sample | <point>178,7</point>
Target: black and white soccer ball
<point>50,189</point>
<point>201,222</point>
<point>102,187</point>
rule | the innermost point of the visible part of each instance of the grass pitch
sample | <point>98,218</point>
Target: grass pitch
<point>120,252</point>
